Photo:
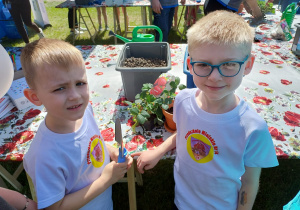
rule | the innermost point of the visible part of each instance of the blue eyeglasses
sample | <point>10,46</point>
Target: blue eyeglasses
<point>226,69</point>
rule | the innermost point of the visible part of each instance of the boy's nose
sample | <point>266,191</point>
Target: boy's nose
<point>73,94</point>
<point>215,74</point>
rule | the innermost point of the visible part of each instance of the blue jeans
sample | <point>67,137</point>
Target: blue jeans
<point>164,22</point>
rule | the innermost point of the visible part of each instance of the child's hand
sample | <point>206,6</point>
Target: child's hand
<point>113,171</point>
<point>146,160</point>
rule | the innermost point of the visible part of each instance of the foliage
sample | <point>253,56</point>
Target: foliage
<point>147,103</point>
<point>265,7</point>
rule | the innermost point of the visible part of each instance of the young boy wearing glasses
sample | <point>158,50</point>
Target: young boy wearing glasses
<point>221,144</point>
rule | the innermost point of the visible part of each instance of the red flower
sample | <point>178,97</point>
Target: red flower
<point>286,82</point>
<point>275,47</point>
<point>108,134</point>
<point>266,53</point>
<point>262,100</point>
<point>263,84</point>
<point>7,148</point>
<point>14,109</point>
<point>86,47</point>
<point>121,102</point>
<point>157,90</point>
<point>113,55</point>
<point>264,72</point>
<point>273,131</point>
<point>276,61</point>
<point>99,73</point>
<point>298,106</point>
<point>7,119</point>
<point>173,63</point>
<point>88,67</point>
<point>106,86</point>
<point>130,122</point>
<point>263,27</point>
<point>92,56</point>
<point>130,146</point>
<point>172,54</point>
<point>292,119</point>
<point>161,81</point>
<point>87,63</point>
<point>103,60</point>
<point>280,153</point>
<point>174,46</point>
<point>31,113</point>
<point>262,44</point>
<point>23,137</point>
<point>20,122</point>
<point>110,48</point>
<point>138,139</point>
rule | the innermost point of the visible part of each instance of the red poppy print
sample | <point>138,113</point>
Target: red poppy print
<point>138,139</point>
<point>88,67</point>
<point>106,86</point>
<point>92,56</point>
<point>7,148</point>
<point>276,134</point>
<point>275,47</point>
<point>266,53</point>
<point>298,106</point>
<point>87,63</point>
<point>157,90</point>
<point>121,102</point>
<point>286,82</point>
<point>130,146</point>
<point>264,28</point>
<point>174,46</point>
<point>113,55</point>
<point>280,153</point>
<point>23,137</point>
<point>86,47</point>
<point>14,110</point>
<point>99,73</point>
<point>276,61</point>
<point>264,72</point>
<point>20,122</point>
<point>292,119</point>
<point>152,143</point>
<point>262,44</point>
<point>130,122</point>
<point>263,84</point>
<point>108,134</point>
<point>174,63</point>
<point>110,48</point>
<point>103,60</point>
<point>31,113</point>
<point>172,54</point>
<point>262,100</point>
<point>7,119</point>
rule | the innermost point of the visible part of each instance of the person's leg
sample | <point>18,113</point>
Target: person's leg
<point>16,15</point>
<point>161,20</point>
<point>99,18</point>
<point>175,17</point>
<point>26,15</point>
<point>70,19</point>
<point>104,17</point>
<point>125,13</point>
<point>170,18</point>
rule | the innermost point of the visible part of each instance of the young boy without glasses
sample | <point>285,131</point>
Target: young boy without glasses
<point>68,160</point>
<point>221,144</point>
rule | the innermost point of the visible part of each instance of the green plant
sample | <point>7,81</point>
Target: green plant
<point>265,7</point>
<point>152,99</point>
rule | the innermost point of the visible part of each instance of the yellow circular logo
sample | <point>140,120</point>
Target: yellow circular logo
<point>97,153</point>
<point>200,148</point>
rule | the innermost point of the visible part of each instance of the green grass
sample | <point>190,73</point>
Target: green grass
<point>59,28</point>
<point>277,186</point>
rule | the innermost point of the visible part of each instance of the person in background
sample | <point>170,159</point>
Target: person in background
<point>68,161</point>
<point>104,17</point>
<point>11,200</point>
<point>20,11</point>
<point>233,5</point>
<point>163,12</point>
<point>221,142</point>
<point>74,28</point>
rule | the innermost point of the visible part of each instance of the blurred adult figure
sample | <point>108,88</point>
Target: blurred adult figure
<point>20,11</point>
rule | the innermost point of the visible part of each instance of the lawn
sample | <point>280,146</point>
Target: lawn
<point>277,186</point>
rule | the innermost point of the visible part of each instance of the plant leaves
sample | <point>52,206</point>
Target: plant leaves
<point>128,103</point>
<point>145,114</point>
<point>181,87</point>
<point>165,107</point>
<point>134,111</point>
<point>141,119</point>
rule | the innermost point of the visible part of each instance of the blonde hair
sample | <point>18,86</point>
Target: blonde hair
<point>44,53</point>
<point>221,28</point>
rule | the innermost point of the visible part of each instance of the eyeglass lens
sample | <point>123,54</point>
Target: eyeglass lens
<point>227,69</point>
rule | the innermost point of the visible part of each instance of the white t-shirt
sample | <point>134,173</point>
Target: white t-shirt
<point>60,164</point>
<point>213,150</point>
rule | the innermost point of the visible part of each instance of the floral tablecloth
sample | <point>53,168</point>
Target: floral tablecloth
<point>272,89</point>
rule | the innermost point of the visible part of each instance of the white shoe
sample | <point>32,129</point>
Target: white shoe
<point>83,29</point>
<point>41,34</point>
<point>76,32</point>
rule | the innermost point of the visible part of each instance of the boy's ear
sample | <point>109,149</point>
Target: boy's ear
<point>32,97</point>
<point>249,64</point>
<point>188,61</point>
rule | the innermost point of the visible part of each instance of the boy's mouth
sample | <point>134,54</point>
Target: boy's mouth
<point>74,107</point>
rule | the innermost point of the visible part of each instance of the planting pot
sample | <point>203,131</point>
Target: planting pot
<point>134,78</point>
<point>169,124</point>
<point>149,124</point>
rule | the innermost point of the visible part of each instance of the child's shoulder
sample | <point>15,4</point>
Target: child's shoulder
<point>185,94</point>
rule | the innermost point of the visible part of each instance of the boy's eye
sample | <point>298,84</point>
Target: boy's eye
<point>201,64</point>
<point>59,89</point>
<point>80,83</point>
